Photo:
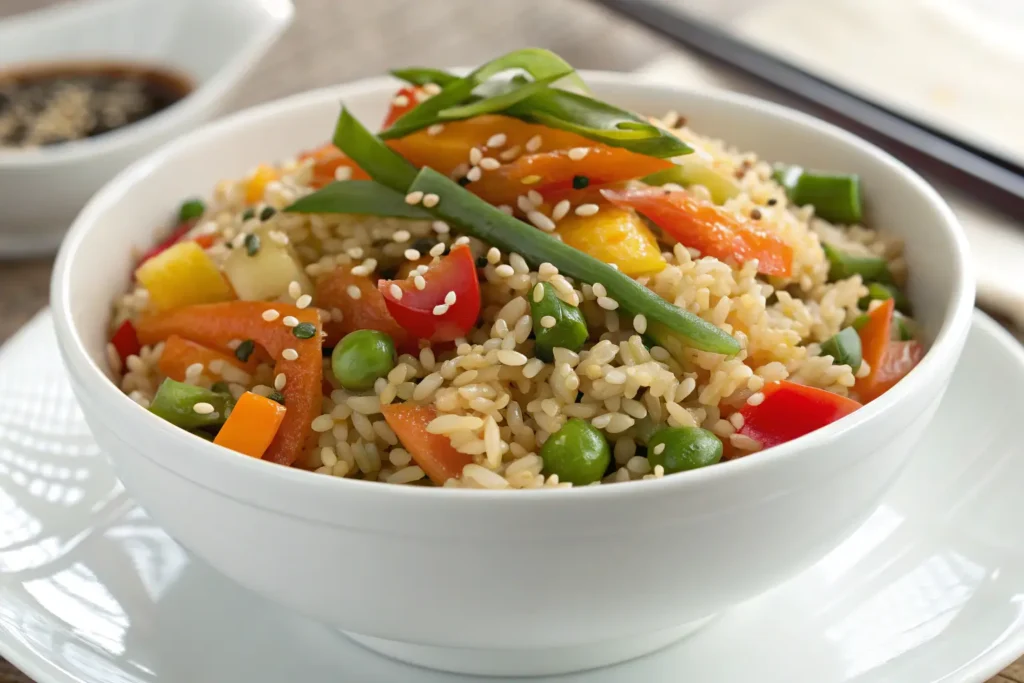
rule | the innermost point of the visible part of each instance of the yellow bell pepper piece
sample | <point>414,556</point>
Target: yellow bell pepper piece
<point>257,183</point>
<point>617,237</point>
<point>182,275</point>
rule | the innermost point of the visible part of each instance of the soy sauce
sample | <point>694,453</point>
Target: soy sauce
<point>43,105</point>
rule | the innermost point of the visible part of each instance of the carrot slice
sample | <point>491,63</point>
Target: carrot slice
<point>179,353</point>
<point>367,312</point>
<point>889,360</point>
<point>432,452</point>
<point>327,159</point>
<point>252,425</point>
<point>216,325</point>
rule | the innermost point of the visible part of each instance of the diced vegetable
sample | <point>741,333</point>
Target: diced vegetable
<point>678,449</point>
<point>367,311</point>
<point>190,210</point>
<point>257,183</point>
<point>402,103</point>
<point>834,196</point>
<point>478,218</point>
<point>252,425</point>
<point>844,348</point>
<point>889,360</point>
<point>327,159</point>
<point>555,323</point>
<point>126,341</point>
<point>361,197</point>
<point>843,265</point>
<point>709,229</point>
<point>448,305</point>
<point>432,452</point>
<point>179,353</point>
<point>182,275</point>
<point>361,358</point>
<point>791,410</point>
<point>263,268</point>
<point>217,325</point>
<point>881,291</point>
<point>614,236</point>
<point>188,406</point>
<point>577,453</point>
<point>692,170</point>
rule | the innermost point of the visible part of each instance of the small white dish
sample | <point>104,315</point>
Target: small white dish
<point>215,44</point>
<point>930,588</point>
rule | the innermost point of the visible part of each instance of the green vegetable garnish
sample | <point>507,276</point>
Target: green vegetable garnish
<point>190,210</point>
<point>683,448</point>
<point>276,396</point>
<point>504,98</point>
<point>220,388</point>
<point>248,213</point>
<point>569,330</point>
<point>252,244</point>
<point>424,75</point>
<point>691,171</point>
<point>844,348</point>
<point>370,154</point>
<point>476,217</point>
<point>304,330</point>
<point>267,213</point>
<point>881,292</point>
<point>834,196</point>
<point>843,265</point>
<point>364,197</point>
<point>245,350</point>
<point>580,182</point>
<point>361,357</point>
<point>577,453</point>
<point>902,327</point>
<point>175,402</point>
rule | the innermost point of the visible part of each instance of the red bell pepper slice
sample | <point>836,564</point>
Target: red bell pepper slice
<point>889,360</point>
<point>791,410</point>
<point>708,228</point>
<point>327,159</point>
<point>126,341</point>
<point>432,452</point>
<point>417,309</point>
<point>400,107</point>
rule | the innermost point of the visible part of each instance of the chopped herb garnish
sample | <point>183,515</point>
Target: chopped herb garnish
<point>580,182</point>
<point>245,350</point>
<point>304,330</point>
<point>267,213</point>
<point>464,181</point>
<point>252,244</point>
<point>248,213</point>
<point>190,210</point>
<point>276,396</point>
<point>220,388</point>
<point>481,261</point>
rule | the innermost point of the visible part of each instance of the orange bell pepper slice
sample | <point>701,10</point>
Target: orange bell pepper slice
<point>368,312</point>
<point>432,452</point>
<point>327,159</point>
<point>889,360</point>
<point>216,325</point>
<point>179,353</point>
<point>252,425</point>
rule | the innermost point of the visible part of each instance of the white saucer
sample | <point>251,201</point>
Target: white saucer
<point>930,589</point>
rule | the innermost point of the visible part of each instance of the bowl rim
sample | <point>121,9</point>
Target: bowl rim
<point>942,352</point>
<point>204,95</point>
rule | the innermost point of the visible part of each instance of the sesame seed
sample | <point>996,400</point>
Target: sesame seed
<point>414,197</point>
<point>440,309</point>
<point>599,290</point>
<point>203,408</point>
<point>496,140</point>
<point>401,236</point>
<point>547,321</point>
<point>396,291</point>
<point>437,249</point>
<point>530,180</point>
<point>421,96</point>
<point>435,129</point>
<point>534,143</point>
<point>419,282</point>
<point>524,204</point>
<point>504,270</point>
<point>422,268</point>
<point>577,153</point>
<point>538,293</point>
<point>194,370</point>
<point>490,164</point>
<point>355,252</point>
<point>412,255</point>
<point>271,315</point>
<point>535,197</point>
<point>547,269</point>
<point>462,240</point>
<point>607,304</point>
<point>587,209</point>
<point>279,381</point>
<point>475,155</point>
<point>290,321</point>
<point>541,221</point>
<point>431,88</point>
<point>290,354</point>
<point>400,101</point>
<point>278,237</point>
<point>354,292</point>
<point>343,173</point>
<point>473,174</point>
<point>755,399</point>
<point>640,323</point>
<point>510,153</point>
<point>430,200</point>
<point>510,357</point>
<point>440,227</point>
<point>561,208</point>
<point>294,289</point>
<point>659,449</point>
<point>505,209</point>
<point>304,301</point>
<point>493,255</point>
<point>449,298</point>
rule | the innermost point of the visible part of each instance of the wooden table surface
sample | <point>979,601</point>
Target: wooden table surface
<point>392,33</point>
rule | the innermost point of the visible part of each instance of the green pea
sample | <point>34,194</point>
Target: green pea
<point>176,401</point>
<point>362,357</point>
<point>683,448</point>
<point>190,210</point>
<point>569,330</point>
<point>844,348</point>
<point>881,292</point>
<point>578,452</point>
<point>843,265</point>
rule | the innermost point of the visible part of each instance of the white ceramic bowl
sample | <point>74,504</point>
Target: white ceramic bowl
<point>519,582</point>
<point>215,44</point>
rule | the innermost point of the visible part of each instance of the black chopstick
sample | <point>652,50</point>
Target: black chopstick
<point>987,176</point>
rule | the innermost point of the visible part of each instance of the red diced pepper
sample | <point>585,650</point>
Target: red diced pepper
<point>126,341</point>
<point>790,410</point>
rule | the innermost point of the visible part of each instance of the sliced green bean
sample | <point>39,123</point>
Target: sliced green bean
<point>844,348</point>
<point>834,196</point>
<point>690,171</point>
<point>361,197</point>
<point>881,291</point>
<point>566,327</point>
<point>843,265</point>
<point>176,402</point>
<point>370,154</point>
